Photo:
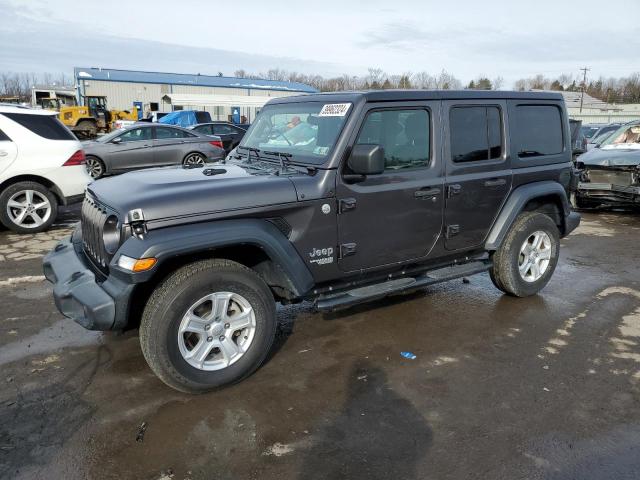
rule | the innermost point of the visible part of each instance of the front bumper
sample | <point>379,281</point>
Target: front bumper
<point>609,193</point>
<point>79,295</point>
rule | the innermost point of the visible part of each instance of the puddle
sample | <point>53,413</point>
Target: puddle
<point>62,334</point>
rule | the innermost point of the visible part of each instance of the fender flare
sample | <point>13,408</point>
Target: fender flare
<point>516,202</point>
<point>166,243</point>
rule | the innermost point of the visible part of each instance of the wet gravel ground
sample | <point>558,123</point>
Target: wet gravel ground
<point>545,387</point>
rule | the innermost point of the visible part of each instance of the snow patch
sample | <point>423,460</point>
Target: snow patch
<point>17,280</point>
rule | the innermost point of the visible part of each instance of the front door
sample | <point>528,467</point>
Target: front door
<point>133,150</point>
<point>478,170</point>
<point>394,217</point>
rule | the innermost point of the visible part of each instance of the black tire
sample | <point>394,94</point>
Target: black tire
<point>172,299</point>
<point>194,158</point>
<point>505,272</point>
<point>26,227</point>
<point>95,167</point>
<point>86,128</point>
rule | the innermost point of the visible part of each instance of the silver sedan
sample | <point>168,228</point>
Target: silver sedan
<point>149,145</point>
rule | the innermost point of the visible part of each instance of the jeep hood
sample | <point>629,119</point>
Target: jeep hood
<point>620,156</point>
<point>164,193</point>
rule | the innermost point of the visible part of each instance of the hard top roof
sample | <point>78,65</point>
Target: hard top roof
<point>10,108</point>
<point>400,95</point>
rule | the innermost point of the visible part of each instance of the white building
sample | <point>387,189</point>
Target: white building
<point>165,92</point>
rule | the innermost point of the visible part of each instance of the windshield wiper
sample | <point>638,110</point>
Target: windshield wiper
<point>250,150</point>
<point>282,156</point>
<point>285,162</point>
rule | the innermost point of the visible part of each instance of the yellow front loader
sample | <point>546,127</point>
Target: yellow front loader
<point>86,121</point>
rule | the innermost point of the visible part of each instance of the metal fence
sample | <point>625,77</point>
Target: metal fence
<point>613,117</point>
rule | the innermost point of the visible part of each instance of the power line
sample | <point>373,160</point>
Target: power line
<point>584,70</point>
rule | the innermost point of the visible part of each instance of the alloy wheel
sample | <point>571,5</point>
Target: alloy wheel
<point>216,331</point>
<point>535,255</point>
<point>28,208</point>
<point>94,167</point>
<point>194,159</point>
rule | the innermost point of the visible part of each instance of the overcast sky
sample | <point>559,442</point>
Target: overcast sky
<point>513,39</point>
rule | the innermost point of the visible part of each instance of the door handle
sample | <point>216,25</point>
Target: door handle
<point>3,153</point>
<point>424,194</point>
<point>498,182</point>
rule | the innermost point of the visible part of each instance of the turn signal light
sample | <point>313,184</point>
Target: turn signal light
<point>77,158</point>
<point>136,264</point>
<point>217,143</point>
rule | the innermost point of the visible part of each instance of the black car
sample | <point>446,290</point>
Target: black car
<point>145,145</point>
<point>336,199</point>
<point>230,134</point>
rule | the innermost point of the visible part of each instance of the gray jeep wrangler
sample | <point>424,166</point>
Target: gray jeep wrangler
<point>334,199</point>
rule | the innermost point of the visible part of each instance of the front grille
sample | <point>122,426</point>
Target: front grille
<point>620,178</point>
<point>92,223</point>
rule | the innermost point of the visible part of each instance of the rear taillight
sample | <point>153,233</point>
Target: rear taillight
<point>77,158</point>
<point>217,143</point>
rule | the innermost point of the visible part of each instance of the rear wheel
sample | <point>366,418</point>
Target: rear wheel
<point>209,324</point>
<point>27,207</point>
<point>95,167</point>
<point>528,256</point>
<point>194,159</point>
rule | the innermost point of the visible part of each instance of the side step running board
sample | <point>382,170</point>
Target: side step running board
<point>379,290</point>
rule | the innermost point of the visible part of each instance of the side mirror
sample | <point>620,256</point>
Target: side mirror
<point>116,140</point>
<point>366,159</point>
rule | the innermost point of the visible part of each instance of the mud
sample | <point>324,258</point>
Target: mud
<point>546,387</point>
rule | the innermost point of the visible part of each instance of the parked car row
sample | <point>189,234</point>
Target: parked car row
<point>43,165</point>
<point>147,145</point>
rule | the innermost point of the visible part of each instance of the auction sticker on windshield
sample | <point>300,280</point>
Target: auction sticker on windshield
<point>334,110</point>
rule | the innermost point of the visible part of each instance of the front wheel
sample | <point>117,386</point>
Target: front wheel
<point>527,258</point>
<point>209,324</point>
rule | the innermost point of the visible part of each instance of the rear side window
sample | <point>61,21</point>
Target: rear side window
<point>163,133</point>
<point>404,134</point>
<point>538,130</point>
<point>476,133</point>
<point>46,126</point>
<point>4,137</point>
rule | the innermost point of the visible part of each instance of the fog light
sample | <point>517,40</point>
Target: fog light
<point>136,264</point>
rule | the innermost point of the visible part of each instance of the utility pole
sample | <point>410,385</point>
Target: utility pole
<point>584,85</point>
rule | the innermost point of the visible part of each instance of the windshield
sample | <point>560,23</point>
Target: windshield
<point>603,134</point>
<point>589,130</point>
<point>306,131</point>
<point>627,134</point>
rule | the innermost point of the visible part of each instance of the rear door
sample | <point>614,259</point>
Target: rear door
<point>171,145</point>
<point>134,150</point>
<point>478,170</point>
<point>394,217</point>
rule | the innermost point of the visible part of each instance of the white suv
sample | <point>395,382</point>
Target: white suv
<point>41,167</point>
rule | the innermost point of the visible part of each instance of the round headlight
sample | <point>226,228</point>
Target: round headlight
<point>111,234</point>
